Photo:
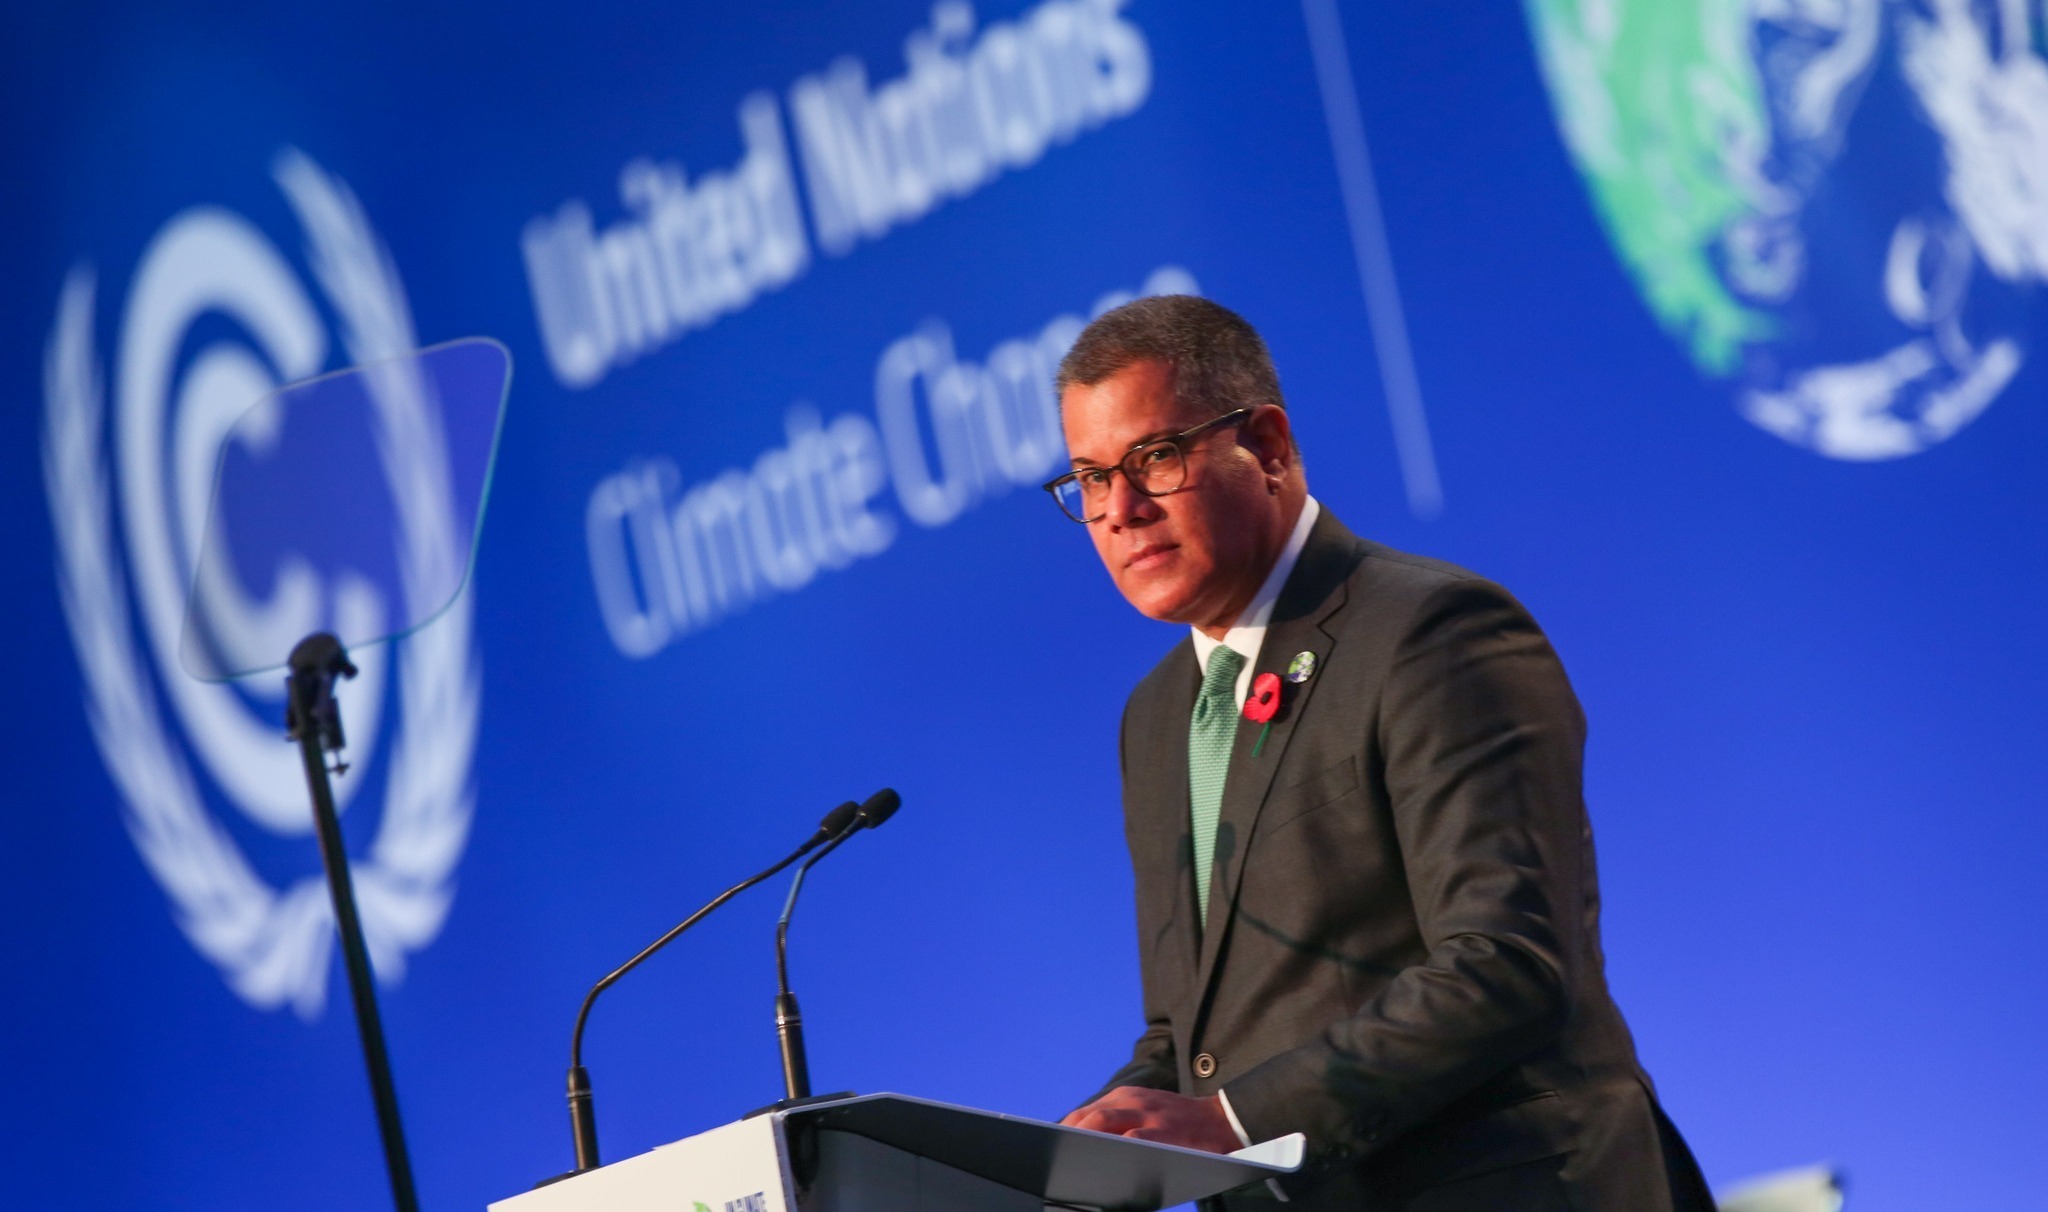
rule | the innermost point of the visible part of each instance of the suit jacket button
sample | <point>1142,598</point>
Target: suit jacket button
<point>1205,1065</point>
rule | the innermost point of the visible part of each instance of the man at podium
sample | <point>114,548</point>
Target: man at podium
<point>1366,900</point>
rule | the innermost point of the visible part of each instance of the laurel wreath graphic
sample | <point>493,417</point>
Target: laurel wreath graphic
<point>273,945</point>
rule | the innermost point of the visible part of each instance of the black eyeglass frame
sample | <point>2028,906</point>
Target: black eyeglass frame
<point>1177,442</point>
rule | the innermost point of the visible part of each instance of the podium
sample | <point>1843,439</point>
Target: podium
<point>891,1153</point>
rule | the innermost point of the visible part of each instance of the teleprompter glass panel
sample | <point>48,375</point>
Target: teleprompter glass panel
<point>349,503</point>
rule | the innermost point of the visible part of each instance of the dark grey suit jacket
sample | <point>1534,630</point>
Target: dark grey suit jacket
<point>1403,952</point>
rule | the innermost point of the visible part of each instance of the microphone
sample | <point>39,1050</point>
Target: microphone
<point>789,1021</point>
<point>879,807</point>
<point>837,824</point>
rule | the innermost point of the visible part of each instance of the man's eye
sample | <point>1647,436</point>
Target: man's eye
<point>1094,478</point>
<point>1152,456</point>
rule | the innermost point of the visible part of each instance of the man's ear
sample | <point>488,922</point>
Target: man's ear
<point>1271,436</point>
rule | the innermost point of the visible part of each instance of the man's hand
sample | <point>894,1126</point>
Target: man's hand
<point>1173,1119</point>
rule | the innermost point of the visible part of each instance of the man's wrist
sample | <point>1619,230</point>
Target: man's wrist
<point>1244,1138</point>
<point>1230,1113</point>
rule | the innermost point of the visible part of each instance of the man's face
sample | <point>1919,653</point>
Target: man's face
<point>1196,556</point>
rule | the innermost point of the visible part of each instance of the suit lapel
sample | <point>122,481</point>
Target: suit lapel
<point>1173,804</point>
<point>1314,592</point>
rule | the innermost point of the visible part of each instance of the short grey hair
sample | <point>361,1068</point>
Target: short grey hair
<point>1219,361</point>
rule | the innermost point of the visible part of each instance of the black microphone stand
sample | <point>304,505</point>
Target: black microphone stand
<point>840,822</point>
<point>789,1021</point>
<point>314,721</point>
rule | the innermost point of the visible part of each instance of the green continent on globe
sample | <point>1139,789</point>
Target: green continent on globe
<point>1662,108</point>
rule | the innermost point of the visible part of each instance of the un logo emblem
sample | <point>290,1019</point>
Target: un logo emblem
<point>215,318</point>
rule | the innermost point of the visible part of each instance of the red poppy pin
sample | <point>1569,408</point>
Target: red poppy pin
<point>1265,700</point>
<point>1263,706</point>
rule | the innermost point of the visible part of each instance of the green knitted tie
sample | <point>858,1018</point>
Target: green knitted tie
<point>1211,729</point>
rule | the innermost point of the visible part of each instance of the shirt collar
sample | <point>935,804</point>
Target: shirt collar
<point>1249,632</point>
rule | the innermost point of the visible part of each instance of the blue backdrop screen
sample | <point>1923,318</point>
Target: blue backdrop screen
<point>1710,334</point>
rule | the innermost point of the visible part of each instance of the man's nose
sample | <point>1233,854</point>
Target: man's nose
<point>1127,506</point>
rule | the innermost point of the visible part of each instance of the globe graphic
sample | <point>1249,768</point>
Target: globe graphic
<point>1837,207</point>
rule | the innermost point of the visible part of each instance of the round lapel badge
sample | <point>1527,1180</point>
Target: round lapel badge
<point>1303,665</point>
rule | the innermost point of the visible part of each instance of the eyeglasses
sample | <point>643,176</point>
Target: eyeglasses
<point>1156,468</point>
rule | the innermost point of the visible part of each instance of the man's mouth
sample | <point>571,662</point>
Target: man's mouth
<point>1149,556</point>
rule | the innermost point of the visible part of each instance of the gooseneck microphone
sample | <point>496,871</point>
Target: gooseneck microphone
<point>837,824</point>
<point>789,1022</point>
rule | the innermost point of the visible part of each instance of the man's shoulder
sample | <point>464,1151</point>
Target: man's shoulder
<point>1377,597</point>
<point>1404,570</point>
<point>1383,586</point>
<point>1361,567</point>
